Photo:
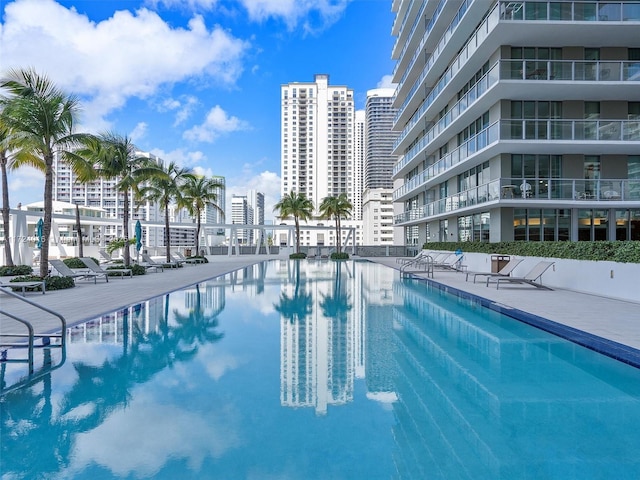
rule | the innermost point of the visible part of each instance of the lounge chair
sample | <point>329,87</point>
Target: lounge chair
<point>97,269</point>
<point>182,258</point>
<point>419,255</point>
<point>106,257</point>
<point>530,278</point>
<point>24,285</point>
<point>150,261</point>
<point>503,272</point>
<point>451,263</point>
<point>65,271</point>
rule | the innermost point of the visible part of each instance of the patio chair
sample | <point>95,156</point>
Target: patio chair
<point>150,261</point>
<point>182,258</point>
<point>530,278</point>
<point>106,257</point>
<point>65,271</point>
<point>503,272</point>
<point>24,285</point>
<point>97,269</point>
<point>451,263</point>
<point>419,255</point>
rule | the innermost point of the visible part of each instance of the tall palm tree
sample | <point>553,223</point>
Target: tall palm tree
<point>41,119</point>
<point>166,189</point>
<point>5,165</point>
<point>298,206</point>
<point>336,207</point>
<point>115,157</point>
<point>198,192</point>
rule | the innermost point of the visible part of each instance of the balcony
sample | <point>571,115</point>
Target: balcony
<point>543,193</point>
<point>548,130</point>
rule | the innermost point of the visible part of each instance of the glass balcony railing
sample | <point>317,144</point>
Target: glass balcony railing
<point>570,70</point>
<point>571,11</point>
<point>525,190</point>
<point>531,129</point>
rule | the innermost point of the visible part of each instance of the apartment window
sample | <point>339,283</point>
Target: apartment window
<point>593,225</point>
<point>535,225</point>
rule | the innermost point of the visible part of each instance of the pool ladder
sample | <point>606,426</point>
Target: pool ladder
<point>422,264</point>
<point>16,340</point>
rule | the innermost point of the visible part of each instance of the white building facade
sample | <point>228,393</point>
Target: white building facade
<point>517,120</point>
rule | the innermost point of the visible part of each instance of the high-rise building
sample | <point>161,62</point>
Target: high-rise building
<point>517,120</point>
<point>241,214</point>
<point>359,152</point>
<point>317,130</point>
<point>256,202</point>
<point>380,137</point>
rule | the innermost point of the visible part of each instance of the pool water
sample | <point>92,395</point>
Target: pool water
<point>321,370</point>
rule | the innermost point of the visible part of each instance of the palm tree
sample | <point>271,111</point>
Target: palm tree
<point>198,192</point>
<point>41,119</point>
<point>166,189</point>
<point>299,207</point>
<point>337,207</point>
<point>5,164</point>
<point>114,156</point>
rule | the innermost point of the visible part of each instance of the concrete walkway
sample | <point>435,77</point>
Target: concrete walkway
<point>613,320</point>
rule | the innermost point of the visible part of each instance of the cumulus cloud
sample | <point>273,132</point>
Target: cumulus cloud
<point>216,123</point>
<point>266,182</point>
<point>130,54</point>
<point>386,82</point>
<point>139,131</point>
<point>311,15</point>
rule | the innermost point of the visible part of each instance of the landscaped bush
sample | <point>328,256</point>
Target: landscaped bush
<point>200,258</point>
<point>15,270</point>
<point>75,262</point>
<point>339,256</point>
<point>136,269</point>
<point>297,256</point>
<point>50,282</point>
<point>625,252</point>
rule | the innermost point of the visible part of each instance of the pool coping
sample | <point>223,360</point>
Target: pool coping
<point>610,348</point>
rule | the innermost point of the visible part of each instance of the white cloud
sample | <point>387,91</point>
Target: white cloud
<point>192,5</point>
<point>87,58</point>
<point>386,82</point>
<point>27,183</point>
<point>216,123</point>
<point>181,157</point>
<point>266,182</point>
<point>313,15</point>
<point>139,131</point>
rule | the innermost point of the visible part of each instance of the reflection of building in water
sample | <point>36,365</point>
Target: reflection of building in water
<point>317,336</point>
<point>115,327</point>
<point>207,297</point>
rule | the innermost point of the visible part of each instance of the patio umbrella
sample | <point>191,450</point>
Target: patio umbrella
<point>39,227</point>
<point>138,236</point>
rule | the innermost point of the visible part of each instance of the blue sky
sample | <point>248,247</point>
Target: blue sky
<point>195,81</point>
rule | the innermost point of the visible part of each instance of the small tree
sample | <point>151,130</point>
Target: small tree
<point>337,208</point>
<point>298,206</point>
<point>197,193</point>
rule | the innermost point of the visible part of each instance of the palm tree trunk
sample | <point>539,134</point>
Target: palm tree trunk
<point>297,234</point>
<point>339,240</point>
<point>167,240</point>
<point>8,260</point>
<point>125,227</point>
<point>79,232</point>
<point>198,233</point>
<point>48,214</point>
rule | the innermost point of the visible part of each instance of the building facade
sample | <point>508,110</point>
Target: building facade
<point>517,120</point>
<point>380,137</point>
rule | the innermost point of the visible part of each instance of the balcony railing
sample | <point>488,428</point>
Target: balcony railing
<point>530,129</point>
<point>571,11</point>
<point>525,190</point>
<point>570,70</point>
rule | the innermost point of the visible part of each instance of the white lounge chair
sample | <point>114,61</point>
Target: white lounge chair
<point>451,262</point>
<point>503,272</point>
<point>420,254</point>
<point>24,285</point>
<point>530,278</point>
<point>106,257</point>
<point>97,269</point>
<point>150,261</point>
<point>182,258</point>
<point>65,271</point>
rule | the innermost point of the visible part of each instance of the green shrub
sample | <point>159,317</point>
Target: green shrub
<point>75,262</point>
<point>615,251</point>
<point>200,258</point>
<point>297,256</point>
<point>137,269</point>
<point>15,270</point>
<point>59,283</point>
<point>339,256</point>
<point>27,278</point>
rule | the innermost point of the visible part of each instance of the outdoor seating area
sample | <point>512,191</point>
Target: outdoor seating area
<point>22,286</point>
<point>98,270</point>
<point>65,271</point>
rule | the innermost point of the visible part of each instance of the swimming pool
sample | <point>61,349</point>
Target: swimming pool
<point>317,370</point>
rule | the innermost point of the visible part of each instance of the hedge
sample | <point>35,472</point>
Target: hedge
<point>625,252</point>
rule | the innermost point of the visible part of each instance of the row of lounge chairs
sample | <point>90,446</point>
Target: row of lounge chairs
<point>451,261</point>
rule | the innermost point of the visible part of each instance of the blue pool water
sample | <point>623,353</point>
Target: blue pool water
<point>321,370</point>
